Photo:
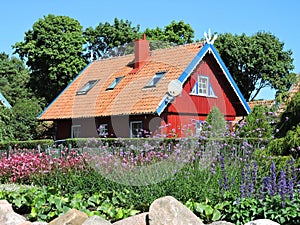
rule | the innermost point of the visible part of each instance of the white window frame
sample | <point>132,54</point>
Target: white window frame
<point>203,88</point>
<point>75,131</point>
<point>132,135</point>
<point>103,130</point>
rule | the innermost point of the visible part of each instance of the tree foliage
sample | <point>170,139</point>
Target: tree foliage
<point>116,39</point>
<point>259,123</point>
<point>19,122</point>
<point>53,50</point>
<point>256,62</point>
<point>6,130</point>
<point>290,118</point>
<point>110,39</point>
<point>176,33</point>
<point>14,78</point>
<point>216,120</point>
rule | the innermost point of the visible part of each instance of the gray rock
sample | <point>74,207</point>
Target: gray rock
<point>140,219</point>
<point>5,206</point>
<point>221,223</point>
<point>96,220</point>
<point>262,222</point>
<point>8,216</point>
<point>39,223</point>
<point>167,210</point>
<point>72,217</point>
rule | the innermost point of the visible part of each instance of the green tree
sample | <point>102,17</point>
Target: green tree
<point>110,39</point>
<point>256,62</point>
<point>177,33</point>
<point>6,129</point>
<point>216,120</point>
<point>53,52</point>
<point>14,78</point>
<point>25,123</point>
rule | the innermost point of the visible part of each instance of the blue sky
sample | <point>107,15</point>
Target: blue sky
<point>280,18</point>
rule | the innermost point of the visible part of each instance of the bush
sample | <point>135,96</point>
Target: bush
<point>216,120</point>
<point>258,124</point>
<point>30,144</point>
<point>288,145</point>
<point>289,119</point>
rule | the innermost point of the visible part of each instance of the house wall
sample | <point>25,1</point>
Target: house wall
<point>63,129</point>
<point>118,126</point>
<point>186,108</point>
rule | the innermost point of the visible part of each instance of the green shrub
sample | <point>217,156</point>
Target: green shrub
<point>45,204</point>
<point>241,211</point>
<point>288,145</point>
<point>30,144</point>
<point>216,120</point>
<point>289,119</point>
<point>258,124</point>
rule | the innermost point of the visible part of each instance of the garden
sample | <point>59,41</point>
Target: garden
<point>238,175</point>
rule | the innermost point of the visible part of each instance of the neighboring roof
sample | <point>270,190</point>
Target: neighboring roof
<point>130,96</point>
<point>4,101</point>
<point>295,88</point>
<point>261,102</point>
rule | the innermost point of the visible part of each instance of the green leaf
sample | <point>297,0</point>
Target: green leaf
<point>216,215</point>
<point>120,214</point>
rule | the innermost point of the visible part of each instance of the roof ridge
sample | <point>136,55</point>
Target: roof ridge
<point>200,44</point>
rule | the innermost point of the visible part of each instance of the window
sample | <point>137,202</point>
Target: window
<point>114,83</point>
<point>88,86</point>
<point>75,131</point>
<point>103,130</point>
<point>135,129</point>
<point>154,80</point>
<point>203,87</point>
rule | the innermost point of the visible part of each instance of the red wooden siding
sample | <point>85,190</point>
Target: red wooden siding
<point>187,107</point>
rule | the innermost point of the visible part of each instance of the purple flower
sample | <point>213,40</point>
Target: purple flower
<point>282,186</point>
<point>273,189</point>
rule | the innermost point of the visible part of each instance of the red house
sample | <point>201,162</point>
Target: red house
<point>128,95</point>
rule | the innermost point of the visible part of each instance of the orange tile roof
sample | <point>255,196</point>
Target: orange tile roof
<point>261,102</point>
<point>129,96</point>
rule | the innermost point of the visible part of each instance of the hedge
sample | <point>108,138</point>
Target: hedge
<point>30,144</point>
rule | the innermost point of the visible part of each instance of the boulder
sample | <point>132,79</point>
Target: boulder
<point>8,216</point>
<point>72,217</point>
<point>168,210</point>
<point>221,223</point>
<point>262,222</point>
<point>25,223</point>
<point>140,219</point>
<point>5,206</point>
<point>39,223</point>
<point>96,220</point>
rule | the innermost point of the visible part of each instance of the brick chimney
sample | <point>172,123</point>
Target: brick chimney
<point>141,53</point>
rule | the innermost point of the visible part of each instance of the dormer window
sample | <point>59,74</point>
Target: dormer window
<point>88,86</point>
<point>203,87</point>
<point>114,83</point>
<point>154,80</point>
